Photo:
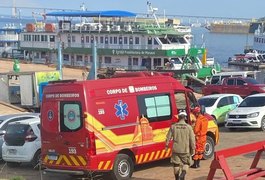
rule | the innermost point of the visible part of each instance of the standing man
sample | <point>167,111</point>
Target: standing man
<point>200,130</point>
<point>183,146</point>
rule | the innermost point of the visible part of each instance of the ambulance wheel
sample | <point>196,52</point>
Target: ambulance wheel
<point>209,148</point>
<point>123,167</point>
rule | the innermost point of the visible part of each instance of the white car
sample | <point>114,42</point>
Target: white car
<point>250,113</point>
<point>6,119</point>
<point>218,105</point>
<point>22,143</point>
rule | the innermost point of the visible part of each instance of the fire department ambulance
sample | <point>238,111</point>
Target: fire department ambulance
<point>113,124</point>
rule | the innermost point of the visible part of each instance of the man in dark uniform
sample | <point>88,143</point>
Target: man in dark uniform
<point>183,146</point>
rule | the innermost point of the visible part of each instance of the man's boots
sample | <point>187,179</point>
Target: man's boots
<point>198,163</point>
<point>177,176</point>
<point>194,164</point>
<point>182,175</point>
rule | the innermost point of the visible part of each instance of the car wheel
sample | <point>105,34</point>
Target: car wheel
<point>262,124</point>
<point>209,148</point>
<point>123,167</point>
<point>13,164</point>
<point>36,159</point>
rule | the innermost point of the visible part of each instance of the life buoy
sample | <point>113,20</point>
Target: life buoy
<point>213,71</point>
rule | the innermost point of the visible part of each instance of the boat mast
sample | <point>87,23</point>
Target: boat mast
<point>152,11</point>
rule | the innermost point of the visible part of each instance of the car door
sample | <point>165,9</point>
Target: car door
<point>230,86</point>
<point>223,107</point>
<point>242,88</point>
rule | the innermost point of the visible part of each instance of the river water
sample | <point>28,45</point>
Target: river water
<point>221,46</point>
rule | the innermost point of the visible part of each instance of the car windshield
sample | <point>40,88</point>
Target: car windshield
<point>207,102</point>
<point>253,102</point>
<point>252,81</point>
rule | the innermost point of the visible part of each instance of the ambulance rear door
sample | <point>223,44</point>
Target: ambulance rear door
<point>63,130</point>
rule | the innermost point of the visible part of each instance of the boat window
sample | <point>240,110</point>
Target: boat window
<point>120,40</point>
<point>107,60</point>
<point>115,40</point>
<point>101,39</point>
<point>73,38</point>
<point>110,40</point>
<point>149,41</point>
<point>163,41</point>
<point>135,61</point>
<point>155,41</point>
<point>131,40</point>
<point>106,40</point>
<point>87,39</point>
<point>137,40</point>
<point>125,40</point>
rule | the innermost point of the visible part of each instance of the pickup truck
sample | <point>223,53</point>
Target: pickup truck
<point>235,85</point>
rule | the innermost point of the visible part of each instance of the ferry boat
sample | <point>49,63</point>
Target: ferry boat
<point>259,39</point>
<point>123,41</point>
<point>233,27</point>
<point>9,39</point>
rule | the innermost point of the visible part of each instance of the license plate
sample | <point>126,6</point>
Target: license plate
<point>237,121</point>
<point>52,157</point>
<point>12,151</point>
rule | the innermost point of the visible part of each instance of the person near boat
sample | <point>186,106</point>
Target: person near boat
<point>183,146</point>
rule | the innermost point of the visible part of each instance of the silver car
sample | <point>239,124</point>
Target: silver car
<point>6,119</point>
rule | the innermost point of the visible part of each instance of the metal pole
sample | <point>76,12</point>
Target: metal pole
<point>93,70</point>
<point>59,65</point>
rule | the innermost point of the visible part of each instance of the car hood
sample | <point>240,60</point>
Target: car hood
<point>246,110</point>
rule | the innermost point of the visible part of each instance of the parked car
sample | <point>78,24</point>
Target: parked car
<point>250,113</point>
<point>6,119</point>
<point>235,85</point>
<point>218,105</point>
<point>22,142</point>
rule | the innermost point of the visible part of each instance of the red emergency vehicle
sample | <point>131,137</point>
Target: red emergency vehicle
<point>113,124</point>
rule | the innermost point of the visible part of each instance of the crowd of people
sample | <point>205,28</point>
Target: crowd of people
<point>188,142</point>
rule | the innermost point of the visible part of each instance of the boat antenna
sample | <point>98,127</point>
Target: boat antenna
<point>152,11</point>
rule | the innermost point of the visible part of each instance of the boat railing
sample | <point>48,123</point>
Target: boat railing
<point>9,37</point>
<point>115,46</point>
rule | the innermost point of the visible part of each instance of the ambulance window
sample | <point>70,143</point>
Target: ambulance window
<point>70,116</point>
<point>155,107</point>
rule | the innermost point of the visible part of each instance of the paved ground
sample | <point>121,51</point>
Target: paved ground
<point>154,171</point>
<point>162,170</point>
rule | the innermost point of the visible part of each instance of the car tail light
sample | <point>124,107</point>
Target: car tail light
<point>91,144</point>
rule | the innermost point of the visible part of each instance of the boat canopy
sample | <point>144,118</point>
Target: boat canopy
<point>110,13</point>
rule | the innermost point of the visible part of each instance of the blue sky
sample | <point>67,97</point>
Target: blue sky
<point>216,8</point>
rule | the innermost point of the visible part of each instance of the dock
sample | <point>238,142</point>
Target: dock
<point>247,66</point>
